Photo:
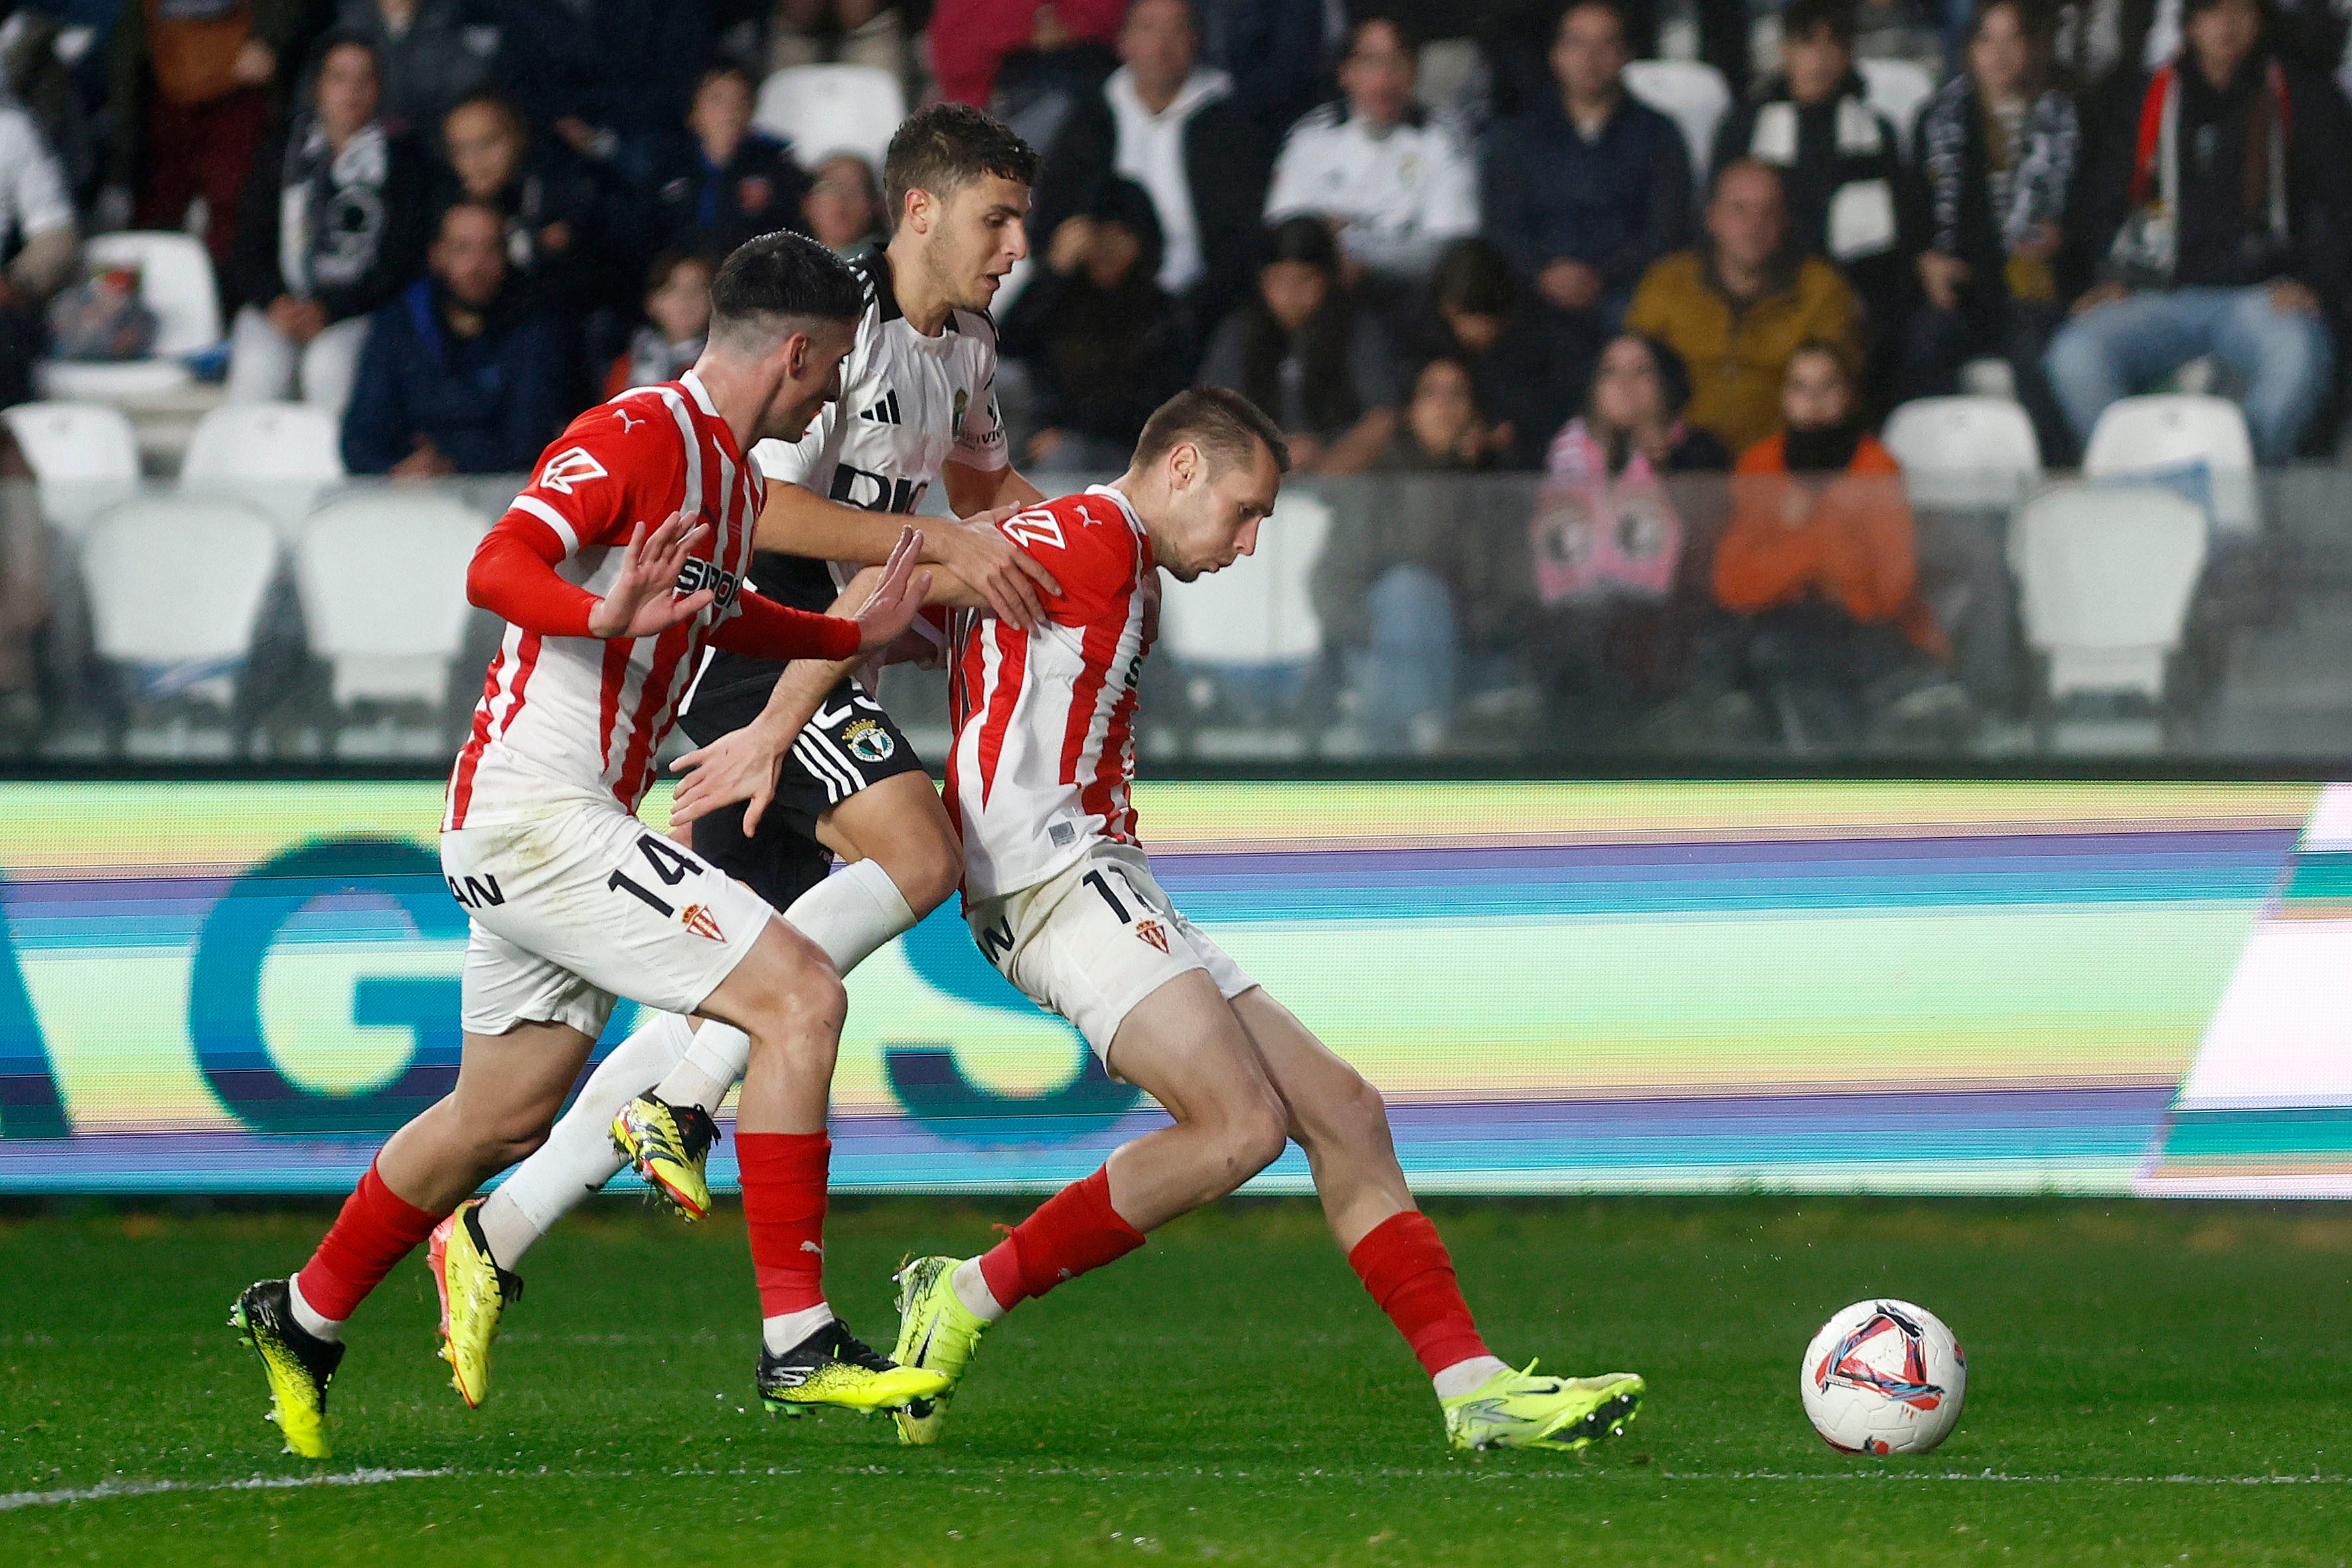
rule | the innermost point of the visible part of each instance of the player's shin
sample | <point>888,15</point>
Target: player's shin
<point>375,1229</point>
<point>852,913</point>
<point>1405,1268</point>
<point>1071,1233</point>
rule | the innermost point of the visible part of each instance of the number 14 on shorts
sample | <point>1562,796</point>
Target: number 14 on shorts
<point>671,866</point>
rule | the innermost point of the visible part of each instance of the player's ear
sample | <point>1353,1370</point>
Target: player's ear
<point>1183,465</point>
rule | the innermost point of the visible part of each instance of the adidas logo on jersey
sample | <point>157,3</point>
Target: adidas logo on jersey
<point>885,412</point>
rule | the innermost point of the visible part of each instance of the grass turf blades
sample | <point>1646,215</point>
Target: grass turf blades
<point>2147,1380</point>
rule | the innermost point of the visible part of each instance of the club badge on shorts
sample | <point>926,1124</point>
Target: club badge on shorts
<point>1152,932</point>
<point>698,918</point>
<point>868,741</point>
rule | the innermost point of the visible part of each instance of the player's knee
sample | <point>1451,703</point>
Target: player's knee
<point>1255,1136</point>
<point>1359,1111</point>
<point>512,1138</point>
<point>801,1011</point>
<point>926,870</point>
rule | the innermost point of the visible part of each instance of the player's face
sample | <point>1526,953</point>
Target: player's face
<point>811,380</point>
<point>979,233</point>
<point>1213,512</point>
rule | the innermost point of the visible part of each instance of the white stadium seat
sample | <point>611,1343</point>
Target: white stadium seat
<point>1693,96</point>
<point>2173,434</point>
<point>2105,576</point>
<point>83,456</point>
<point>825,109</point>
<point>1257,613</point>
<point>278,455</point>
<point>383,579</point>
<point>1964,452</point>
<point>176,582</point>
<point>1897,89</point>
<point>175,281</point>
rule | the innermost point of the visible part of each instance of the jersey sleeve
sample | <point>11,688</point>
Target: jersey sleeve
<point>1090,549</point>
<point>615,467</point>
<point>980,441</point>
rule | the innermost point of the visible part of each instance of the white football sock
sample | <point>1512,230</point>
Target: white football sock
<point>852,914</point>
<point>785,1330</point>
<point>970,1287</point>
<point>328,1329</point>
<point>577,1158</point>
<point>712,1063</point>
<point>1466,1376</point>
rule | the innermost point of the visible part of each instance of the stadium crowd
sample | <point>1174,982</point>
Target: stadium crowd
<point>1431,239</point>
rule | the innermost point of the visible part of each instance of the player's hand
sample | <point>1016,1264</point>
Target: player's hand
<point>740,765</point>
<point>898,598</point>
<point>994,567</point>
<point>644,601</point>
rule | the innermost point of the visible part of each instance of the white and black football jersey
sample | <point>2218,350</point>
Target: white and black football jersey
<point>908,406</point>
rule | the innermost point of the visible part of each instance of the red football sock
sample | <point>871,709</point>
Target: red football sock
<point>1405,1267</point>
<point>376,1229</point>
<point>1073,1231</point>
<point>783,1208</point>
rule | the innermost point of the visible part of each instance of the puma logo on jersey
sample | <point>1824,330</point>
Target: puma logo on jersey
<point>697,574</point>
<point>628,420</point>
<point>885,412</point>
<point>1040,527</point>
<point>569,469</point>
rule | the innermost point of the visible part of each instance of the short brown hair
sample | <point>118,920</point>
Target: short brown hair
<point>945,146</point>
<point>1220,421</point>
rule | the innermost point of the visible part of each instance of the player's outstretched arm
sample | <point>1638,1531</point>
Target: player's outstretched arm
<point>644,601</point>
<point>742,764</point>
<point>798,522</point>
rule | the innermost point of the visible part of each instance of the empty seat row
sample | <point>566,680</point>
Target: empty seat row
<point>278,456</point>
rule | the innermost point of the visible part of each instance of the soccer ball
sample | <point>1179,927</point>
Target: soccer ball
<point>1883,1377</point>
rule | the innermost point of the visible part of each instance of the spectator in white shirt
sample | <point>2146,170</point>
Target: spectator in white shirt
<point>1395,184</point>
<point>38,240</point>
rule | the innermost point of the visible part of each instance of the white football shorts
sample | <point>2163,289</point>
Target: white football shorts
<point>1098,939</point>
<point>574,909</point>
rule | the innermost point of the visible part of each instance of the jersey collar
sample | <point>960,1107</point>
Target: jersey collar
<point>700,392</point>
<point>1127,510</point>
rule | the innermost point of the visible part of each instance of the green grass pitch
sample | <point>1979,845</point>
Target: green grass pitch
<point>2149,1384</point>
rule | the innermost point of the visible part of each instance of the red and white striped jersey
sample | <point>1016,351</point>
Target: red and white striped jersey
<point>1044,756</point>
<point>565,720</point>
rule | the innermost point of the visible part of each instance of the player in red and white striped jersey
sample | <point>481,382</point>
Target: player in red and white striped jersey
<point>1060,897</point>
<point>574,902</point>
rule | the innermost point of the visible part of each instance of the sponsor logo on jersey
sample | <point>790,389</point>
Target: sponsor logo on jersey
<point>962,402</point>
<point>569,469</point>
<point>1039,527</point>
<point>876,492</point>
<point>697,574</point>
<point>698,918</point>
<point>885,412</point>
<point>868,741</point>
<point>1152,932</point>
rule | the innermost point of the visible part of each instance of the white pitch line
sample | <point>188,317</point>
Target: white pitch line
<point>367,1478</point>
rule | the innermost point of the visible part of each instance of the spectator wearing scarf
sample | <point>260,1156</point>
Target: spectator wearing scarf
<point>333,224</point>
<point>2220,223</point>
<point>1998,150</point>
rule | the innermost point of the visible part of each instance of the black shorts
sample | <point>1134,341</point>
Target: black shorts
<point>850,744</point>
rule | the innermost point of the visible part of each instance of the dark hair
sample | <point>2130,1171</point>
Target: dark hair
<point>1475,278</point>
<point>1741,165</point>
<point>945,146</point>
<point>725,68</point>
<point>675,257</point>
<point>467,204</point>
<point>1326,385</point>
<point>2190,8</point>
<point>1803,16</point>
<point>777,278</point>
<point>1431,362</point>
<point>1128,205</point>
<point>1672,371</point>
<point>1223,424</point>
<point>1615,8</point>
<point>1408,35</point>
<point>496,102</point>
<point>340,38</point>
<point>2036,22</point>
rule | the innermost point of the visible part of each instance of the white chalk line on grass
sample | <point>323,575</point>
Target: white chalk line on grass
<point>104,1489</point>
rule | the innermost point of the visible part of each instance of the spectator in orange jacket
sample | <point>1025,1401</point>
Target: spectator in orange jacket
<point>1821,562</point>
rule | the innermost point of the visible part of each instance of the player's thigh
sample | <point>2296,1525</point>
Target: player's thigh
<point>1184,1045</point>
<point>1327,1098</point>
<point>784,979</point>
<point>512,1084</point>
<point>900,822</point>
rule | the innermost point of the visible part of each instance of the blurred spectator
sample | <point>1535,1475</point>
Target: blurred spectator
<point>38,239</point>
<point>677,320</point>
<point>1182,135</point>
<point>847,32</point>
<point>560,210</point>
<point>1609,544</point>
<point>24,598</point>
<point>843,206</point>
<point>610,78</point>
<point>41,83</point>
<point>1820,560</point>
<point>1417,576</point>
<point>429,52</point>
<point>1840,163</point>
<point>1998,150</point>
<point>1301,350</point>
<point>1526,366</point>
<point>1278,52</point>
<point>459,376</point>
<point>1099,335</point>
<point>2221,226</point>
<point>334,222</point>
<point>189,92</point>
<point>1736,307</point>
<point>2099,44</point>
<point>733,182</point>
<point>969,39</point>
<point>1588,187</point>
<point>1395,185</point>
